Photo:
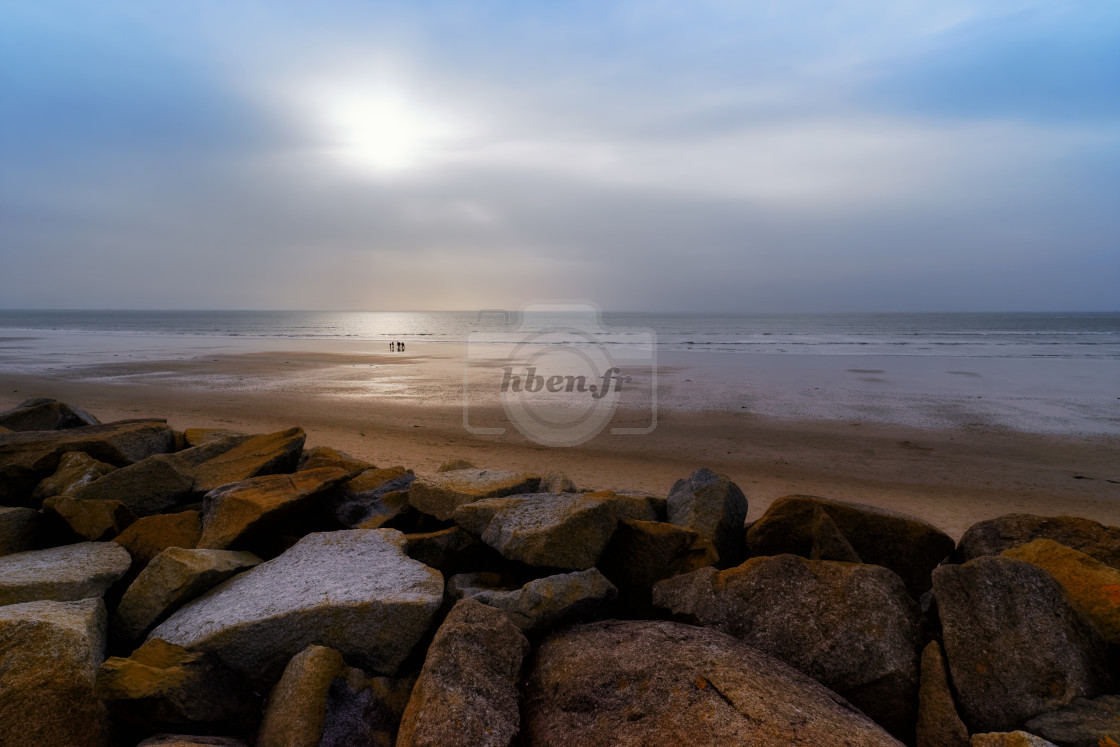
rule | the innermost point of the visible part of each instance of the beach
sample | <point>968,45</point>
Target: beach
<point>954,441</point>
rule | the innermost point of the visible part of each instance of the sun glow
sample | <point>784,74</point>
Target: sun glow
<point>381,130</point>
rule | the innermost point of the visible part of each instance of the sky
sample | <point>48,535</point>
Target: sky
<point>767,156</point>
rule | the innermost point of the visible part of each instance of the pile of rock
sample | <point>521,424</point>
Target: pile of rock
<point>208,587</point>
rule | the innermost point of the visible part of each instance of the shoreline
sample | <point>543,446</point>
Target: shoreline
<point>950,477</point>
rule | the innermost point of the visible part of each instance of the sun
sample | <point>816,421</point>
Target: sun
<point>380,130</point>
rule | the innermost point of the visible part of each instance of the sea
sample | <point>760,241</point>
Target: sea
<point>1088,335</point>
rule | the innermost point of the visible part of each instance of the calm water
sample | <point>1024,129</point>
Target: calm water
<point>1010,335</point>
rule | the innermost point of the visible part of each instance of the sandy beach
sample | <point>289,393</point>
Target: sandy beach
<point>950,464</point>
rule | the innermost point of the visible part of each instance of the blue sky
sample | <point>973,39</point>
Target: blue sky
<point>724,156</point>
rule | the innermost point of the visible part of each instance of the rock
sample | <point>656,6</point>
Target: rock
<point>75,469</point>
<point>664,683</point>
<point>467,690</point>
<point>452,465</point>
<point>713,506</point>
<point>556,482</point>
<point>909,546</point>
<point>19,530</point>
<point>233,514</point>
<point>186,740</point>
<point>1090,584</point>
<point>325,456</point>
<point>1083,723</point>
<point>27,457</point>
<point>162,686</point>
<point>151,535</point>
<point>994,536</point>
<point>45,415</point>
<point>452,549</point>
<point>374,497</point>
<point>49,655</point>
<point>1016,646</point>
<point>641,553</point>
<point>1009,739</point>
<point>93,520</point>
<point>321,701</point>
<point>150,486</point>
<point>200,436</point>
<point>268,454</point>
<point>543,602</point>
<point>352,590</point>
<point>851,627</point>
<point>62,573</point>
<point>556,530</point>
<point>440,494</point>
<point>173,578</point>
<point>939,725</point>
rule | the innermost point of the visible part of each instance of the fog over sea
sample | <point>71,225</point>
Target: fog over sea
<point>1035,372</point>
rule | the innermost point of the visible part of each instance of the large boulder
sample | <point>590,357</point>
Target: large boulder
<point>232,515</point>
<point>325,456</point>
<point>373,498</point>
<point>44,414</point>
<point>1090,584</point>
<point>49,655</point>
<point>440,494</point>
<point>149,536</point>
<point>1010,739</point>
<point>75,469</point>
<point>352,590</point>
<point>320,701</point>
<point>467,689</point>
<point>19,529</point>
<point>543,602</point>
<point>664,683</point>
<point>641,553</point>
<point>1016,645</point>
<point>555,530</point>
<point>713,506</point>
<point>1083,723</point>
<point>63,573</point>
<point>173,578</point>
<point>939,724</point>
<point>452,550</point>
<point>150,486</point>
<point>29,456</point>
<point>851,627</point>
<point>268,454</point>
<point>993,536</point>
<point>806,525</point>
<point>161,687</point>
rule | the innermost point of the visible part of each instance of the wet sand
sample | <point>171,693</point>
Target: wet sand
<point>406,408</point>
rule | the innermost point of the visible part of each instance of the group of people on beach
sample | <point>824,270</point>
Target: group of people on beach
<point>396,347</point>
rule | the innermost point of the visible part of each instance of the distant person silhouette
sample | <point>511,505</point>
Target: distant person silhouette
<point>402,347</point>
<point>392,346</point>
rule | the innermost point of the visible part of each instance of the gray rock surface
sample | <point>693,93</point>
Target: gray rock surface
<point>541,603</point>
<point>233,514</point>
<point>641,553</point>
<point>353,590</point>
<point>49,655</point>
<point>267,454</point>
<point>19,529</point>
<point>150,486</point>
<point>440,494</point>
<point>909,546</point>
<point>663,683</point>
<point>63,573</point>
<point>712,505</point>
<point>467,689</point>
<point>557,530</point>
<point>452,550</point>
<point>851,627</point>
<point>1083,723</point>
<point>75,469</point>
<point>173,578</point>
<point>994,536</point>
<point>1016,646</point>
<point>29,456</point>
<point>44,414</point>
<point>939,725</point>
<point>373,498</point>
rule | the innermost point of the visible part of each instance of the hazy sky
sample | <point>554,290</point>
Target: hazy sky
<point>777,155</point>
